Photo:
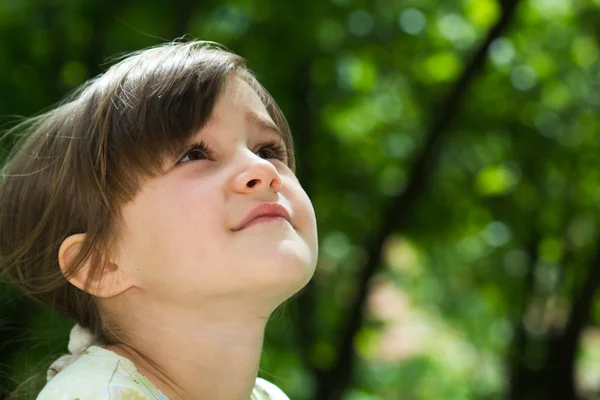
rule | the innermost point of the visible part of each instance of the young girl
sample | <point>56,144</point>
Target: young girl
<point>158,208</point>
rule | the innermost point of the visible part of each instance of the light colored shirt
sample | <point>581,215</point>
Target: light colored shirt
<point>101,374</point>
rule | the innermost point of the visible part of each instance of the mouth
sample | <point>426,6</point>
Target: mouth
<point>265,212</point>
<point>265,218</point>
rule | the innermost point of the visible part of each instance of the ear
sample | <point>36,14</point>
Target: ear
<point>108,280</point>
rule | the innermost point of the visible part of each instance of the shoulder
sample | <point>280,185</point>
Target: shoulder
<point>265,390</point>
<point>95,376</point>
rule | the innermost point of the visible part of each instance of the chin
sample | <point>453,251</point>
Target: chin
<point>288,270</point>
<point>283,260</point>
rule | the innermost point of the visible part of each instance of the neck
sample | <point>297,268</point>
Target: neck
<point>192,357</point>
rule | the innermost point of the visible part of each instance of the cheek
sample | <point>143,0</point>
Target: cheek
<point>305,213</point>
<point>171,232</point>
<point>188,229</point>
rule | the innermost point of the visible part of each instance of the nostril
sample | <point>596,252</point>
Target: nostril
<point>252,183</point>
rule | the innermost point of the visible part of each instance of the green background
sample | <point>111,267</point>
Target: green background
<point>451,151</point>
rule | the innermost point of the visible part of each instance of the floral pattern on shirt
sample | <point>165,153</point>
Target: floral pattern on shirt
<point>101,374</point>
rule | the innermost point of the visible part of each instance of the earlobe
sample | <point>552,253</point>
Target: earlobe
<point>106,280</point>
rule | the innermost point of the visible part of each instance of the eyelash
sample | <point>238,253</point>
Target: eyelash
<point>277,150</point>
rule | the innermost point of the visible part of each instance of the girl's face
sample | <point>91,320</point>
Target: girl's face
<point>182,244</point>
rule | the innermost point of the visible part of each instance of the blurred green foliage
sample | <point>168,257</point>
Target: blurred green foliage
<point>478,118</point>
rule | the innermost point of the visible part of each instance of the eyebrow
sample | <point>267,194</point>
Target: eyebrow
<point>263,123</point>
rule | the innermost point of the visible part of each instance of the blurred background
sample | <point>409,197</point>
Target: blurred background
<point>451,151</point>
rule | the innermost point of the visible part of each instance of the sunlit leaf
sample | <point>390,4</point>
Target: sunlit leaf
<point>496,180</point>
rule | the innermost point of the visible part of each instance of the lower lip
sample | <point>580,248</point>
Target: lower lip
<point>260,220</point>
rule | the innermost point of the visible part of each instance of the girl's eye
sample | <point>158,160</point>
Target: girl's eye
<point>274,150</point>
<point>198,151</point>
<point>201,151</point>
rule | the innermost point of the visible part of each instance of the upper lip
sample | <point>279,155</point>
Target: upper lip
<point>264,210</point>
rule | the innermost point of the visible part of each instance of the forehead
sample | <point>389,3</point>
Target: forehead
<point>239,98</point>
<point>238,92</point>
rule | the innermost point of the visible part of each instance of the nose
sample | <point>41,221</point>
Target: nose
<point>257,174</point>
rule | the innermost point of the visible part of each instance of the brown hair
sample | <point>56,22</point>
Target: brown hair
<point>76,165</point>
